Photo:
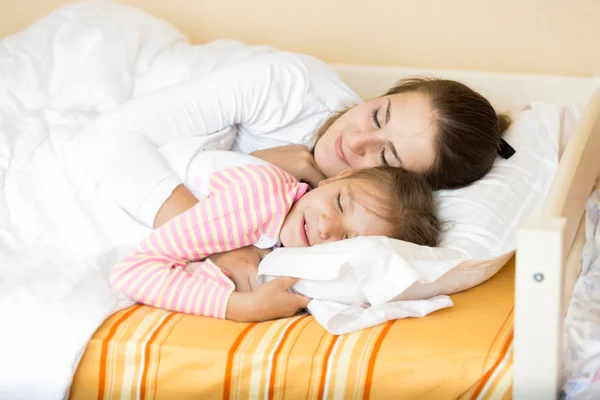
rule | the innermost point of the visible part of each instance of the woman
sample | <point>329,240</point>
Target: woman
<point>293,111</point>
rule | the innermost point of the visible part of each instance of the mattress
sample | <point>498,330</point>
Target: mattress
<point>144,352</point>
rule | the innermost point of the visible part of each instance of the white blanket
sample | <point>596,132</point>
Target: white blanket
<point>582,323</point>
<point>55,77</point>
<point>59,233</point>
<point>50,304</point>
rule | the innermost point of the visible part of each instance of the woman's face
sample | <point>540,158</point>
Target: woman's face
<point>396,130</point>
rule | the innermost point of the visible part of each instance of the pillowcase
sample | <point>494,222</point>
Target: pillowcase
<point>485,216</point>
<point>482,219</point>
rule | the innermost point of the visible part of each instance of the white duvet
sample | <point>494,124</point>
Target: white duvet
<point>582,324</point>
<point>55,77</point>
<point>60,235</point>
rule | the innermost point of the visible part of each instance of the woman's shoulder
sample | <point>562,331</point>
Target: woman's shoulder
<point>325,84</point>
<point>313,75</point>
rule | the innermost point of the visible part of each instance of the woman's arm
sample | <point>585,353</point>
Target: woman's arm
<point>120,148</point>
<point>180,200</point>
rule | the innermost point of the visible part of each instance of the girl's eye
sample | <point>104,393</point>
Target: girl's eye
<point>339,202</point>
<point>374,114</point>
<point>382,157</point>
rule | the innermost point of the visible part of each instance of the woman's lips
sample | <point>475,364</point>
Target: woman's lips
<point>304,231</point>
<point>339,151</point>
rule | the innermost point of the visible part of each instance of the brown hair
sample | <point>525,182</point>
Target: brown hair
<point>468,130</point>
<point>406,202</point>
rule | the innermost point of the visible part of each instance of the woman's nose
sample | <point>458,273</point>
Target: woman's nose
<point>361,143</point>
<point>329,228</point>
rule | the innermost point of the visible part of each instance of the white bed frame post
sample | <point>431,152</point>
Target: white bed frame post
<point>539,313</point>
<point>549,253</point>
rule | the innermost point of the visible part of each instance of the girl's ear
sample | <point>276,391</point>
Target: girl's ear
<point>342,174</point>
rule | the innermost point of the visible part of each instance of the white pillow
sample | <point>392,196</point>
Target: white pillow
<point>483,220</point>
<point>485,215</point>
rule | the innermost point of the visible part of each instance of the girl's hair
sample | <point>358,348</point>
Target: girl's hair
<point>406,202</point>
<point>468,133</point>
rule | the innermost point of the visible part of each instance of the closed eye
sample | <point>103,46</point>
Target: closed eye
<point>382,157</point>
<point>374,115</point>
<point>338,202</point>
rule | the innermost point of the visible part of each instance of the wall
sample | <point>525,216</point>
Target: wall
<point>535,36</point>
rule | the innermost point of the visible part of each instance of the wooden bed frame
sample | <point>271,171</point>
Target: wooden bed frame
<point>549,246</point>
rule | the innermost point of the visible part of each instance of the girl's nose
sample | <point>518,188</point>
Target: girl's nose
<point>329,228</point>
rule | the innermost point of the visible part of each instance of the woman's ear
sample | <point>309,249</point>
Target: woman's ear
<point>342,174</point>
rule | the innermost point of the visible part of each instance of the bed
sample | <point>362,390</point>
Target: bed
<point>155,354</point>
<point>513,349</point>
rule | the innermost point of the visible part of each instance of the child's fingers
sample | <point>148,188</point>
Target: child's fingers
<point>292,305</point>
<point>263,252</point>
<point>302,301</point>
<point>285,282</point>
<point>313,175</point>
<point>297,300</point>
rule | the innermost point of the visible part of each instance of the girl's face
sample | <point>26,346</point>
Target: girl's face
<point>338,209</point>
<point>396,130</point>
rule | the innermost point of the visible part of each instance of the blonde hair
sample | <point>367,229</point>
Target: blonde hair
<point>406,203</point>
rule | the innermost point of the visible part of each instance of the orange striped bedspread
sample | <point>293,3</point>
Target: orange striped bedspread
<point>462,352</point>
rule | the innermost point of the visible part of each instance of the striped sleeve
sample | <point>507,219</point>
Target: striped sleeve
<point>245,203</point>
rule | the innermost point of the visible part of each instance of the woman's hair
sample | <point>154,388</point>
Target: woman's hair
<point>468,133</point>
<point>406,202</point>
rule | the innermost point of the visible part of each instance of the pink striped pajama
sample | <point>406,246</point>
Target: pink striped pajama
<point>244,204</point>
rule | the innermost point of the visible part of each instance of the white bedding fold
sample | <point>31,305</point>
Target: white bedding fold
<point>55,77</point>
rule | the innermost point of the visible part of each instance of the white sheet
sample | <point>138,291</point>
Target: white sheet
<point>55,77</point>
<point>582,323</point>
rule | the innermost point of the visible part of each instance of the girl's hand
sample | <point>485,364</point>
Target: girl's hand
<point>295,159</point>
<point>270,301</point>
<point>241,266</point>
<point>249,256</point>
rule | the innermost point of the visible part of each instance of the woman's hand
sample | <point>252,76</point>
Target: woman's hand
<point>181,200</point>
<point>272,300</point>
<point>295,159</point>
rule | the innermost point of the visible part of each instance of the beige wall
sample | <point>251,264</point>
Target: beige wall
<point>537,36</point>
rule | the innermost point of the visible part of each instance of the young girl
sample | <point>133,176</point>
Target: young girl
<point>263,205</point>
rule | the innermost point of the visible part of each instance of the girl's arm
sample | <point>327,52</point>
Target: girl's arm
<point>154,273</point>
<point>246,203</point>
<point>271,300</point>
